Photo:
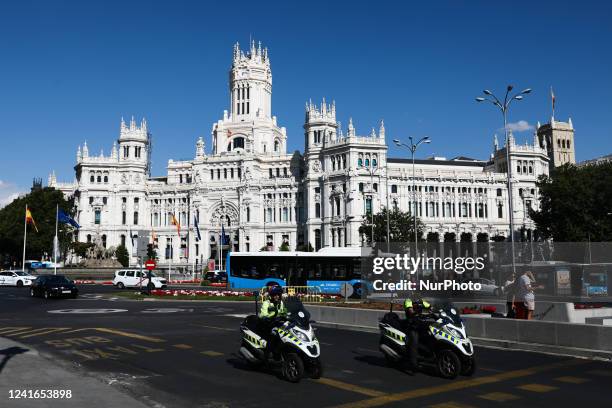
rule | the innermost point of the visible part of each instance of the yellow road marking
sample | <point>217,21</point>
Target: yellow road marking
<point>7,330</point>
<point>572,380</point>
<point>76,330</point>
<point>215,327</point>
<point>182,346</point>
<point>458,385</point>
<point>451,404</point>
<point>350,387</point>
<point>132,335</point>
<point>498,396</point>
<point>211,353</point>
<point>45,330</point>
<point>601,372</point>
<point>537,387</point>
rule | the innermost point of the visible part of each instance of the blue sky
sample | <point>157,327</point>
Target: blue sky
<point>70,70</point>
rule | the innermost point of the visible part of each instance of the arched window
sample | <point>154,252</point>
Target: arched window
<point>99,179</point>
<point>359,162</point>
<point>135,217</point>
<point>248,214</point>
<point>122,240</point>
<point>276,145</point>
<point>500,211</point>
<point>106,179</point>
<point>367,162</point>
<point>89,238</point>
<point>318,210</point>
<point>333,162</point>
<point>92,178</point>
<point>568,144</point>
<point>104,241</point>
<point>374,162</point>
<point>285,214</point>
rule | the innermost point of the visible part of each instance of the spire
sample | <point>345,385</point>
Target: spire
<point>373,132</point>
<point>200,148</point>
<point>570,123</point>
<point>123,124</point>
<point>495,143</point>
<point>79,154</point>
<point>324,107</point>
<point>114,151</point>
<point>52,181</point>
<point>538,125</point>
<point>351,128</point>
<point>381,131</point>
<point>259,48</point>
<point>85,150</point>
<point>143,125</point>
<point>133,123</point>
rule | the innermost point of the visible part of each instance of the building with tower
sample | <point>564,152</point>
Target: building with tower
<point>264,197</point>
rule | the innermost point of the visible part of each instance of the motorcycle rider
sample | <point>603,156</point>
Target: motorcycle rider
<point>271,315</point>
<point>414,310</point>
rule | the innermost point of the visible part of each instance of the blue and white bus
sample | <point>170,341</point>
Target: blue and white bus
<point>327,269</point>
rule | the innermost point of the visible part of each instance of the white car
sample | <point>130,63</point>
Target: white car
<point>16,278</point>
<point>131,278</point>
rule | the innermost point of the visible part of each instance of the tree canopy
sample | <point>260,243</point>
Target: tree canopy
<point>576,204</point>
<point>401,227</point>
<point>42,203</point>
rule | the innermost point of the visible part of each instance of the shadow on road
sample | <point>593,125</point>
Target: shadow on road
<point>8,353</point>
<point>382,362</point>
<point>238,363</point>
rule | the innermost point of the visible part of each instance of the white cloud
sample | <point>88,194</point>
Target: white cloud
<point>8,192</point>
<point>520,126</point>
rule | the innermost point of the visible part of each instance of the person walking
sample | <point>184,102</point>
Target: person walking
<point>510,291</point>
<point>526,298</point>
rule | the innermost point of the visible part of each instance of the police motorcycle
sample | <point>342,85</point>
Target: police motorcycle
<point>443,342</point>
<point>295,348</point>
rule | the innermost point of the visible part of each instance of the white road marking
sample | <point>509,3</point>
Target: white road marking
<point>87,311</point>
<point>240,316</point>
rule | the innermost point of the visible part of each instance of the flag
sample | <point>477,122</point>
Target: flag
<point>197,229</point>
<point>224,238</point>
<point>30,219</point>
<point>153,237</point>
<point>552,98</point>
<point>66,219</point>
<point>178,226</point>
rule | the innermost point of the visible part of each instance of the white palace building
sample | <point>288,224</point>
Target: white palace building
<point>266,197</point>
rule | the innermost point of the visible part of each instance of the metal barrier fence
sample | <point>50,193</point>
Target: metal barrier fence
<point>307,294</point>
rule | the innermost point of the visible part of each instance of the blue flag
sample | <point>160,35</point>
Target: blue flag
<point>66,219</point>
<point>197,228</point>
<point>224,238</point>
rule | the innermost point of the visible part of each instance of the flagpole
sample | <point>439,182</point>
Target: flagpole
<point>25,234</point>
<point>55,241</point>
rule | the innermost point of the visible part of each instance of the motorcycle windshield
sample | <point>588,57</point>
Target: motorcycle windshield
<point>451,313</point>
<point>297,313</point>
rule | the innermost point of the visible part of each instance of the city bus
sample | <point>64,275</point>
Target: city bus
<point>327,269</point>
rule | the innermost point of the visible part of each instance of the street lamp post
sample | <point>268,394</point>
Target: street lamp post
<point>503,107</point>
<point>372,170</point>
<point>412,147</point>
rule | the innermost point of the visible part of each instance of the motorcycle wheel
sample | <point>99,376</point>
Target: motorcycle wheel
<point>317,370</point>
<point>293,367</point>
<point>448,364</point>
<point>469,368</point>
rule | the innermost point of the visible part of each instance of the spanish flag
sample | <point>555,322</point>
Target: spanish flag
<point>30,219</point>
<point>178,226</point>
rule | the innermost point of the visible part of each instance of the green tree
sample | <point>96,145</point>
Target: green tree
<point>575,204</point>
<point>42,203</point>
<point>401,227</point>
<point>284,247</point>
<point>122,255</point>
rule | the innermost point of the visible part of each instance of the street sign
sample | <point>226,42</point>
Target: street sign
<point>150,265</point>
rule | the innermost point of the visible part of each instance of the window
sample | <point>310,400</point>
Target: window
<point>318,210</point>
<point>500,211</point>
<point>367,162</point>
<point>104,200</point>
<point>106,179</point>
<point>212,174</point>
<point>92,179</point>
<point>122,240</point>
<point>394,188</point>
<point>285,214</point>
<point>360,162</point>
<point>285,171</point>
<point>337,206</point>
<point>368,205</point>
<point>277,172</point>
<point>499,192</point>
<point>271,173</point>
<point>375,187</point>
<point>248,214</point>
<point>99,179</point>
<point>135,217</point>
<point>97,217</point>
<point>123,218</point>
<point>374,162</point>
<point>91,200</point>
<point>361,187</point>
<point>126,151</point>
<point>276,146</point>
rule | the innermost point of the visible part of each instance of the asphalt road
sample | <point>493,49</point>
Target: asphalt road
<point>184,354</point>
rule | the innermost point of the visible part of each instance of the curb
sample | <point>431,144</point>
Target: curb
<point>601,355</point>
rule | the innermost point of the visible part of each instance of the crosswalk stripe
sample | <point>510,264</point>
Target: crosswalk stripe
<point>6,330</point>
<point>182,346</point>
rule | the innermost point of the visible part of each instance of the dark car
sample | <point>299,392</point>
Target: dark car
<point>216,276</point>
<point>53,286</point>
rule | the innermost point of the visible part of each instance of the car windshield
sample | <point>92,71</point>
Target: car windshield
<point>297,313</point>
<point>57,279</point>
<point>21,273</point>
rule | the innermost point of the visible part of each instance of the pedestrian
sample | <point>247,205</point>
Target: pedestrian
<point>525,304</point>
<point>510,291</point>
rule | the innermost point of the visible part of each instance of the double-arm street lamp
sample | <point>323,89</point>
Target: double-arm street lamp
<point>503,107</point>
<point>412,147</point>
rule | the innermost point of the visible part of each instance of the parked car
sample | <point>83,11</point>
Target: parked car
<point>49,286</point>
<point>130,278</point>
<point>216,276</point>
<point>489,287</point>
<point>16,278</point>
